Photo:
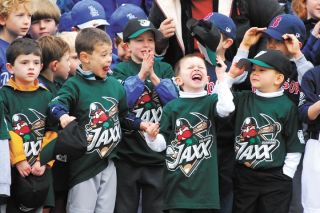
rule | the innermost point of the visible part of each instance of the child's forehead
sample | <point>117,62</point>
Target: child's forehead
<point>193,61</point>
<point>102,46</point>
<point>31,56</point>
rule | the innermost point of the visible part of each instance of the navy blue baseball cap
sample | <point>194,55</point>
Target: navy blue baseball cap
<point>88,13</point>
<point>224,23</point>
<point>65,24</point>
<point>122,15</point>
<point>286,24</point>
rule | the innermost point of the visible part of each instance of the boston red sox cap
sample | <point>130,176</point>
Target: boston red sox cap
<point>272,59</point>
<point>286,24</point>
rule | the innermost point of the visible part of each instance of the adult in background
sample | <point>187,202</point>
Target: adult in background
<point>170,17</point>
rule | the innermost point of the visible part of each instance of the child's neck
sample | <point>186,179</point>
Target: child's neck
<point>6,36</point>
<point>221,54</point>
<point>48,74</point>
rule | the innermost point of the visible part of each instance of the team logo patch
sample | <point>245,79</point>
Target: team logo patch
<point>144,23</point>
<point>31,132</point>
<point>148,107</point>
<point>191,145</point>
<point>256,144</point>
<point>103,130</point>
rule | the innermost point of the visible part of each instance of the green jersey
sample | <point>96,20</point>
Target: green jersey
<point>98,106</point>
<point>26,113</point>
<point>191,176</point>
<point>266,129</point>
<point>148,107</point>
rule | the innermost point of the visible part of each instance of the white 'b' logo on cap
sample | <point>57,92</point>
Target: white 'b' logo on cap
<point>144,23</point>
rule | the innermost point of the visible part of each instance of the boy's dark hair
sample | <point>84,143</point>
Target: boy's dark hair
<point>53,48</point>
<point>44,9</point>
<point>22,46</point>
<point>177,66</point>
<point>89,37</point>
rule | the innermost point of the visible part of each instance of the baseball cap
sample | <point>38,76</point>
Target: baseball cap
<point>88,13</point>
<point>122,15</point>
<point>29,192</point>
<point>224,23</point>
<point>271,59</point>
<point>286,24</point>
<point>70,145</point>
<point>208,35</point>
<point>65,24</point>
<point>136,27</point>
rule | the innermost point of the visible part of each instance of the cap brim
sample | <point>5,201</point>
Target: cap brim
<point>212,56</point>
<point>93,23</point>
<point>274,34</point>
<point>158,35</point>
<point>247,63</point>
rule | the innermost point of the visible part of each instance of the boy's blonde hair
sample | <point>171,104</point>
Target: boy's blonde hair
<point>7,6</point>
<point>53,48</point>
<point>70,38</point>
<point>43,9</point>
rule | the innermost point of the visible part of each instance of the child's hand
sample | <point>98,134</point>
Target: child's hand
<point>316,30</point>
<point>220,69</point>
<point>23,168</point>
<point>147,65</point>
<point>293,45</point>
<point>152,131</point>
<point>236,70</point>
<point>167,28</point>
<point>37,169</point>
<point>66,119</point>
<point>251,37</point>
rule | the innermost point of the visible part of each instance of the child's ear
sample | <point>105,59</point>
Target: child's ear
<point>2,20</point>
<point>53,65</point>
<point>9,68</point>
<point>179,81</point>
<point>227,43</point>
<point>300,44</point>
<point>84,57</point>
<point>279,80</point>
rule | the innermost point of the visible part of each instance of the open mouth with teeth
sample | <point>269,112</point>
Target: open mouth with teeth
<point>196,77</point>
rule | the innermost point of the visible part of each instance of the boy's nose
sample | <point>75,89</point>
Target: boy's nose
<point>41,24</point>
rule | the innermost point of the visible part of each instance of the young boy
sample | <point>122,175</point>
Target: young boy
<point>70,38</point>
<point>15,20</point>
<point>99,103</point>
<point>118,20</point>
<point>309,112</point>
<point>148,87</point>
<point>56,64</point>
<point>267,146</point>
<point>285,33</point>
<point>25,104</point>
<point>188,135</point>
<point>45,18</point>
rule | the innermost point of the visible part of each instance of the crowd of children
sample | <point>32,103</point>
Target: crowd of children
<point>205,136</point>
